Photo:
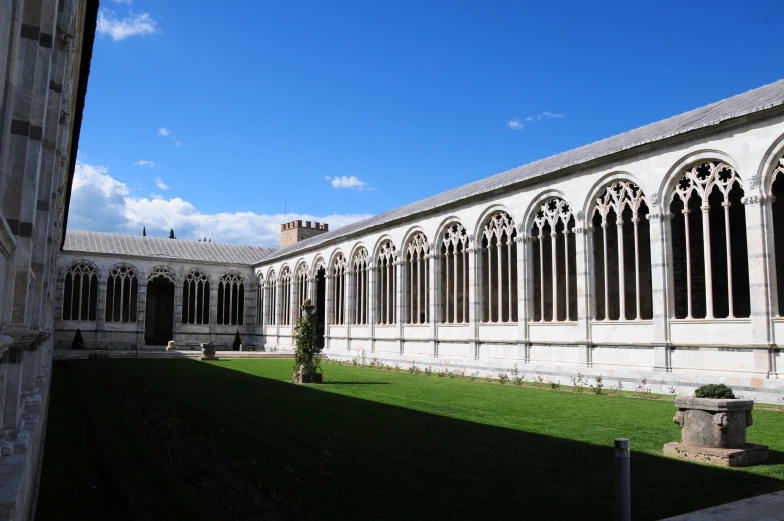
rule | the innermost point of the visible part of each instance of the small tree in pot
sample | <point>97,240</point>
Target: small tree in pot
<point>307,356</point>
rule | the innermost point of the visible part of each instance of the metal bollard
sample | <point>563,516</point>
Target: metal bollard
<point>137,351</point>
<point>623,489</point>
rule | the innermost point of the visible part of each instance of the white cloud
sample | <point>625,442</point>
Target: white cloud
<point>165,132</point>
<point>120,29</point>
<point>148,164</point>
<point>160,184</point>
<point>553,115</point>
<point>515,125</point>
<point>101,203</point>
<point>350,182</point>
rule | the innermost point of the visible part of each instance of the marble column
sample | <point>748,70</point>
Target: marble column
<point>661,259</point>
<point>434,304</point>
<point>586,302</point>
<point>761,336</point>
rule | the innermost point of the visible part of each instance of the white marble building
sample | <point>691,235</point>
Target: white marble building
<point>45,52</point>
<point>591,261</point>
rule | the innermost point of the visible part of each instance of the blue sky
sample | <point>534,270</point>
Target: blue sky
<point>206,119</point>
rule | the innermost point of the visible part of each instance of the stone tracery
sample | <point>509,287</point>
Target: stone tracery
<point>709,243</point>
<point>80,292</point>
<point>417,284</point>
<point>196,298</point>
<point>231,299</point>
<point>554,286</point>
<point>386,284</point>
<point>453,259</point>
<point>621,253</point>
<point>499,269</point>
<point>122,294</point>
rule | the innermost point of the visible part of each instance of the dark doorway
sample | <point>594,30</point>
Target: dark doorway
<point>159,318</point>
<point>321,302</point>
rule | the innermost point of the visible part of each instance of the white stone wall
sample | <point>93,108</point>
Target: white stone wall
<point>41,51</point>
<point>115,335</point>
<point>666,351</point>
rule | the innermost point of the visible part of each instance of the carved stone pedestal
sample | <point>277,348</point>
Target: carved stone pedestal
<point>308,378</point>
<point>714,431</point>
<point>208,352</point>
<point>747,456</point>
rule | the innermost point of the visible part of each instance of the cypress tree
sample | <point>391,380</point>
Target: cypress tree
<point>78,341</point>
<point>171,234</point>
<point>144,232</point>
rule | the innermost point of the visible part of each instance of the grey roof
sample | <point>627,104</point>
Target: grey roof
<point>157,248</point>
<point>756,100</point>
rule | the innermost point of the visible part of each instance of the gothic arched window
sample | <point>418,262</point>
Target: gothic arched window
<point>499,269</point>
<point>122,294</point>
<point>285,296</point>
<point>709,250</point>
<point>622,253</point>
<point>303,280</point>
<point>454,274</point>
<point>231,300</point>
<point>196,298</point>
<point>418,279</point>
<point>260,299</point>
<point>338,290</point>
<point>80,293</point>
<point>271,291</point>
<point>554,262</point>
<point>359,269</point>
<point>386,283</point>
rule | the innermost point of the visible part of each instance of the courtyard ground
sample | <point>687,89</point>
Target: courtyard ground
<point>183,439</point>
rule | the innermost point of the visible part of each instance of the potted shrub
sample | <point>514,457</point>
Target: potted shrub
<point>713,428</point>
<point>307,354</point>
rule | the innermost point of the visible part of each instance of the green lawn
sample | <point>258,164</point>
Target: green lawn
<point>368,444</point>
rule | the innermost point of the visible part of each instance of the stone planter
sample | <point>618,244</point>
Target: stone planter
<point>714,431</point>
<point>208,351</point>
<point>308,375</point>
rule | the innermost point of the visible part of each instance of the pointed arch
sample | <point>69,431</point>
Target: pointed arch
<point>709,248</point>
<point>417,278</point>
<point>386,282</point>
<point>497,266</point>
<point>360,270</point>
<point>452,247</point>
<point>551,224</point>
<point>285,281</point>
<point>338,271</point>
<point>622,251</point>
<point>196,298</point>
<point>270,317</point>
<point>80,292</point>
<point>259,298</point>
<point>231,299</point>
<point>303,280</point>
<point>122,293</point>
<point>772,175</point>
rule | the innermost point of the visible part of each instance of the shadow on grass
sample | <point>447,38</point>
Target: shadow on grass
<point>341,457</point>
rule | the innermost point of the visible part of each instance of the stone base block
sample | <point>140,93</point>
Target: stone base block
<point>209,357</point>
<point>750,455</point>
<point>308,378</point>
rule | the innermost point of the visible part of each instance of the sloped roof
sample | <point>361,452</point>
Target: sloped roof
<point>77,241</point>
<point>762,98</point>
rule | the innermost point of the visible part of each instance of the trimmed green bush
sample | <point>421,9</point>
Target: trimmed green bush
<point>717,391</point>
